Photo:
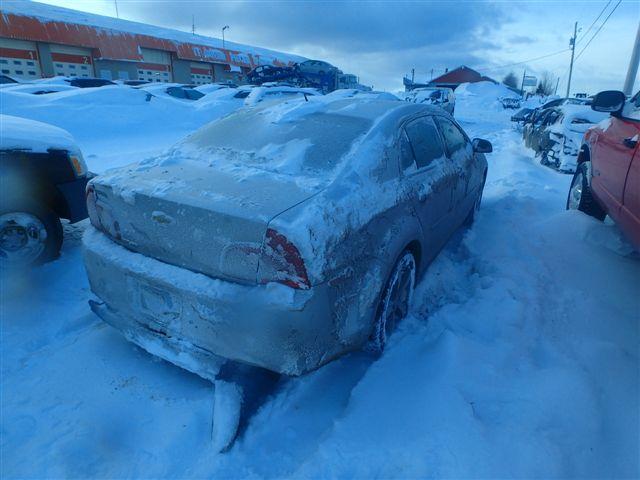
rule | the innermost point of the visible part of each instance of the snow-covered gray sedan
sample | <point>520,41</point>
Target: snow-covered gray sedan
<point>281,236</point>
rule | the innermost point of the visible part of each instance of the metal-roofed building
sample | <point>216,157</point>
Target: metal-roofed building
<point>38,40</point>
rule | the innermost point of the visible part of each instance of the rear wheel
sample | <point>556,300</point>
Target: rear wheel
<point>29,235</point>
<point>580,196</point>
<point>395,301</point>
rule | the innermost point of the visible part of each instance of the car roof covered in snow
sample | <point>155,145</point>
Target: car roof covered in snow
<point>18,133</point>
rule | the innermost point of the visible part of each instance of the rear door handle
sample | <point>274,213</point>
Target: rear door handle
<point>631,142</point>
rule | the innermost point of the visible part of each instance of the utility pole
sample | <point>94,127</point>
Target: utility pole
<point>193,24</point>
<point>431,74</point>
<point>633,65</point>
<point>116,4</point>
<point>413,75</point>
<point>573,51</point>
<point>556,89</point>
<point>524,74</point>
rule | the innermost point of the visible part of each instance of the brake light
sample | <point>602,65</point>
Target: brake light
<point>92,207</point>
<point>100,215</point>
<point>281,262</point>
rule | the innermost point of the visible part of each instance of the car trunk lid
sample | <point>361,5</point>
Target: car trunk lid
<point>194,216</point>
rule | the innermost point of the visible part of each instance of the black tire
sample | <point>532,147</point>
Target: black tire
<point>386,321</point>
<point>582,198</point>
<point>51,223</point>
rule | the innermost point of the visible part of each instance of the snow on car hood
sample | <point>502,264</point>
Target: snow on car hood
<point>18,133</point>
<point>577,119</point>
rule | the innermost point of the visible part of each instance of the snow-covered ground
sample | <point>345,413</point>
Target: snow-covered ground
<point>520,359</point>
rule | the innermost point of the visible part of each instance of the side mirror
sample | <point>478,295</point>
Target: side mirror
<point>609,101</point>
<point>480,145</point>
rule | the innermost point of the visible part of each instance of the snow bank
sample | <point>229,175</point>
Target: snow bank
<point>481,101</point>
<point>114,125</point>
<point>24,134</point>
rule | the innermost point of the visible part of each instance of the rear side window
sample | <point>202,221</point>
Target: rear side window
<point>193,94</point>
<point>176,92</point>
<point>425,141</point>
<point>453,136</point>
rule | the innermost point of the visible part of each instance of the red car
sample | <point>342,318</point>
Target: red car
<point>607,179</point>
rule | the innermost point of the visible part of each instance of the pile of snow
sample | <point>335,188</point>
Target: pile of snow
<point>481,101</point>
<point>115,125</point>
<point>24,134</point>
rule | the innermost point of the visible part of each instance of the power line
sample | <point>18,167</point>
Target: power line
<point>524,61</point>
<point>489,68</point>
<point>598,30</point>
<point>594,22</point>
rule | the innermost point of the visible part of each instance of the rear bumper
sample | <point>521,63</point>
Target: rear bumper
<point>195,321</point>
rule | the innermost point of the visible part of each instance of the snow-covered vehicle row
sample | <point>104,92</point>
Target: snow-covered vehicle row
<point>284,225</point>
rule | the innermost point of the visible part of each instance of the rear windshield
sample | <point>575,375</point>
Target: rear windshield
<point>311,145</point>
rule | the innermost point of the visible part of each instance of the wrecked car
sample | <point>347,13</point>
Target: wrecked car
<point>561,140</point>
<point>285,248</point>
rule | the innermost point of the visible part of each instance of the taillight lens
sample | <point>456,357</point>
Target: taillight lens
<point>281,262</point>
<point>99,214</point>
<point>92,208</point>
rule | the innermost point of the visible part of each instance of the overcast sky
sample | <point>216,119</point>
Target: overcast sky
<point>381,41</point>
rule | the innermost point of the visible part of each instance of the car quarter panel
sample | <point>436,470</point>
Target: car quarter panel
<point>611,159</point>
<point>630,213</point>
<point>350,236</point>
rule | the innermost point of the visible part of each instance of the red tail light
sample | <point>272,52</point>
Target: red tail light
<point>99,215</point>
<point>92,208</point>
<point>281,262</point>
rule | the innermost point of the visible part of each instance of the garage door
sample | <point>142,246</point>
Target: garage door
<point>201,73</point>
<point>154,72</point>
<point>71,61</point>
<point>155,66</point>
<point>19,59</point>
